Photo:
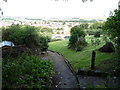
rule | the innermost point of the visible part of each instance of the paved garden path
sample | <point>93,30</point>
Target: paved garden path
<point>63,77</point>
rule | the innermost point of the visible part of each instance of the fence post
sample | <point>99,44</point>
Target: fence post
<point>93,60</point>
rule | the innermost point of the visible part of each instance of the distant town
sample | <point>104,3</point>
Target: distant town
<point>60,26</point>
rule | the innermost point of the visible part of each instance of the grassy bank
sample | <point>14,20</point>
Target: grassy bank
<point>82,59</point>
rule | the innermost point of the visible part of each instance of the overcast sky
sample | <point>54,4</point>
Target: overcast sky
<point>60,8</point>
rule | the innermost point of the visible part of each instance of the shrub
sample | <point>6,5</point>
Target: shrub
<point>105,38</point>
<point>25,35</point>
<point>79,48</point>
<point>95,41</point>
<point>84,25</point>
<point>97,34</point>
<point>26,71</point>
<point>89,32</point>
<point>97,25</point>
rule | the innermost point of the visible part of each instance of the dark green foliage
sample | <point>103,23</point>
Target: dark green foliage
<point>112,27</point>
<point>84,26</point>
<point>106,38</point>
<point>97,25</point>
<point>77,37</point>
<point>59,29</point>
<point>26,71</point>
<point>95,42</point>
<point>25,35</point>
<point>79,48</point>
<point>97,34</point>
<point>90,32</point>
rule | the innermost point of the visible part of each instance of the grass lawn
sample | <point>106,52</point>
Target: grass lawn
<point>82,59</point>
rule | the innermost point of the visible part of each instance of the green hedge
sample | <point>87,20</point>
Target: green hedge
<point>26,71</point>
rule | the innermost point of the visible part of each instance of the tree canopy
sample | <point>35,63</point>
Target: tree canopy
<point>112,26</point>
<point>77,39</point>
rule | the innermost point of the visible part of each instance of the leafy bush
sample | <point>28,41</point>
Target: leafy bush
<point>77,37</point>
<point>105,38</point>
<point>25,35</point>
<point>84,25</point>
<point>95,41</point>
<point>79,48</point>
<point>97,34</point>
<point>26,71</point>
<point>90,32</point>
<point>97,25</point>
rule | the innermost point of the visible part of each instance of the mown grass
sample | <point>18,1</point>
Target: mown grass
<point>82,59</point>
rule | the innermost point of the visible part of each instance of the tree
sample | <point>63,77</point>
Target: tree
<point>112,27</point>
<point>77,39</point>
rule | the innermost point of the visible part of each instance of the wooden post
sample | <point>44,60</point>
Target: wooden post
<point>93,59</point>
